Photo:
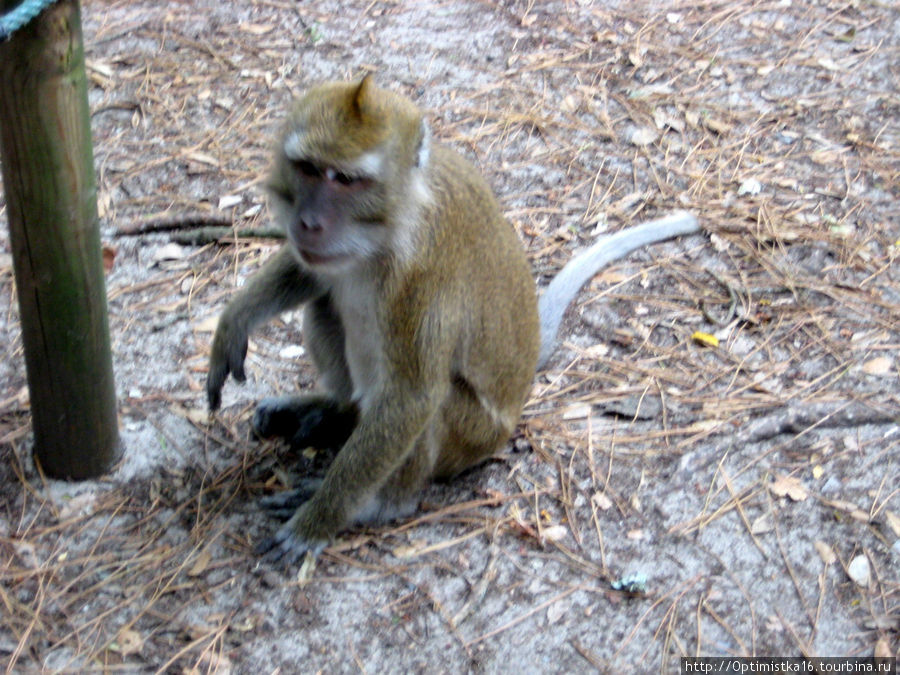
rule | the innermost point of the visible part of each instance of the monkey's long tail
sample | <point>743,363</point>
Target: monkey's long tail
<point>565,285</point>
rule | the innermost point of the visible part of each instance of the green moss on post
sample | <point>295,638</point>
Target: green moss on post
<point>48,179</point>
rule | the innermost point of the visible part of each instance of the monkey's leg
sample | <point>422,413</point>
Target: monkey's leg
<point>399,496</point>
<point>305,421</point>
<point>474,430</point>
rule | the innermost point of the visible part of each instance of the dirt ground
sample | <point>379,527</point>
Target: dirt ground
<point>752,483</point>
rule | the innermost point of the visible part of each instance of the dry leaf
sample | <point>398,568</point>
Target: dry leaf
<point>27,554</point>
<point>578,412</point>
<point>553,533</point>
<point>99,67</point>
<point>104,204</point>
<point>257,28</point>
<point>774,625</point>
<point>129,642</point>
<point>643,136</point>
<point>848,507</point>
<point>825,157</point>
<point>207,325</point>
<point>199,416</point>
<point>883,649</point>
<point>717,126</point>
<point>170,251</point>
<point>305,573</point>
<point>751,186</point>
<point>719,243</point>
<point>200,564</point>
<point>202,158</point>
<point>406,551</point>
<point>826,553</point>
<point>109,257</point>
<point>762,524</point>
<point>893,521</point>
<point>597,351</point>
<point>79,505</point>
<point>659,118</point>
<point>569,104</point>
<point>227,201</point>
<point>252,211</point>
<point>292,352</point>
<point>881,365</point>
<point>601,501</point>
<point>556,611</point>
<point>787,486</point>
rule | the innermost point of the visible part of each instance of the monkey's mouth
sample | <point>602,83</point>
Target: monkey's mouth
<point>319,259</point>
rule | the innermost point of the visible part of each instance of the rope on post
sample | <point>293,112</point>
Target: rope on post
<point>20,16</point>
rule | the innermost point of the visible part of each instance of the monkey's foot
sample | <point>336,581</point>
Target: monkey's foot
<point>304,422</point>
<point>284,504</point>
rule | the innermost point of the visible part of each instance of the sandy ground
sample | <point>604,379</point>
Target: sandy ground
<point>754,484</point>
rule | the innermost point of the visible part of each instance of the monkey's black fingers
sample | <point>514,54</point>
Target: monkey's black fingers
<point>214,381</point>
<point>285,503</point>
<point>286,548</point>
<point>228,352</point>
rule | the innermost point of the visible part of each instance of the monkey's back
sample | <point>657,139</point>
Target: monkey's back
<point>494,360</point>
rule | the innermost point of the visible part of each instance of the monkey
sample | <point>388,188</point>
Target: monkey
<point>420,310</point>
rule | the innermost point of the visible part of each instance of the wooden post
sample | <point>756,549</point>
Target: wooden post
<point>48,179</point>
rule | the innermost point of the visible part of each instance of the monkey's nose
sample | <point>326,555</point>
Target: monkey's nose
<point>309,225</point>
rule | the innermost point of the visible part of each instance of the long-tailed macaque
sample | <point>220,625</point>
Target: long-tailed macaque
<point>421,314</point>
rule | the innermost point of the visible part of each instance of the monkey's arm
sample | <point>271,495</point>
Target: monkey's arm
<point>278,286</point>
<point>565,285</point>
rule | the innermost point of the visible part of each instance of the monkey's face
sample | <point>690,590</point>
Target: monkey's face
<point>331,215</point>
<point>344,172</point>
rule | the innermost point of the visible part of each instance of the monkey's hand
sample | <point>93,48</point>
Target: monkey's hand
<point>229,349</point>
<point>293,540</point>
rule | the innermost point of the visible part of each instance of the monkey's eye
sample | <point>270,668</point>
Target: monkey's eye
<point>345,179</point>
<point>307,168</point>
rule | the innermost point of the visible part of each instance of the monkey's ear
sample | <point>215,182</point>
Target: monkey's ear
<point>362,93</point>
